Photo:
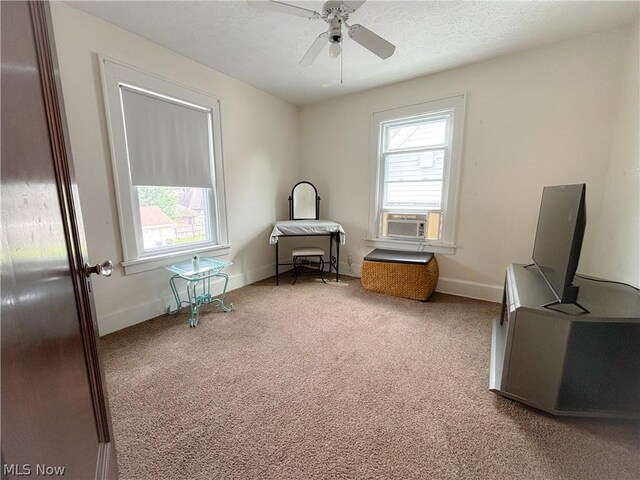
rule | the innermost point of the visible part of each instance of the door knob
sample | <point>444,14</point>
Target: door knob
<point>105,268</point>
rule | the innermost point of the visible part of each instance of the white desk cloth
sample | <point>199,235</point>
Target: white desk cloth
<point>306,227</point>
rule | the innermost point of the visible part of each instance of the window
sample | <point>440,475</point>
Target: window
<point>417,151</point>
<point>167,163</point>
<point>173,216</point>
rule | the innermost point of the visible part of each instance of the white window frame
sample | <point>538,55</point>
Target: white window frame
<point>114,73</point>
<point>453,106</point>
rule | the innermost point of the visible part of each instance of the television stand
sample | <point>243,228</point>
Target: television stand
<point>567,364</point>
<point>556,302</point>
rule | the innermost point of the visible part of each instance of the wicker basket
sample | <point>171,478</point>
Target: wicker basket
<point>407,280</point>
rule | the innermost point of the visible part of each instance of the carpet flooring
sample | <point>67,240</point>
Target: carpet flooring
<point>330,381</point>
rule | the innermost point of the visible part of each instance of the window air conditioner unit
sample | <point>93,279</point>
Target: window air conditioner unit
<point>405,226</point>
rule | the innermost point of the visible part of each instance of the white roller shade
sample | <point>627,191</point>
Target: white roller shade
<point>168,142</point>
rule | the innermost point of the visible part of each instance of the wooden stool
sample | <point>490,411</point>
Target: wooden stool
<point>300,255</point>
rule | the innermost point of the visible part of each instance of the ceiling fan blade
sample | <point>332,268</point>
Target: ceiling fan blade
<point>371,41</point>
<point>284,8</point>
<point>353,6</point>
<point>314,50</point>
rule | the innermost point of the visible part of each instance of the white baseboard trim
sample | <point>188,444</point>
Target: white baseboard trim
<point>141,313</point>
<point>354,271</point>
<point>240,280</point>
<point>462,288</point>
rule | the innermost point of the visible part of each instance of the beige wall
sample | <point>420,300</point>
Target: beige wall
<point>617,249</point>
<point>260,143</point>
<point>551,115</point>
<point>558,114</point>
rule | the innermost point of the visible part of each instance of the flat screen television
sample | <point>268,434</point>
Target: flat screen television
<point>561,224</point>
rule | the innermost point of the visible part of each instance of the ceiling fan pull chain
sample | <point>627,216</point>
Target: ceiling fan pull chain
<point>341,62</point>
<point>335,13</point>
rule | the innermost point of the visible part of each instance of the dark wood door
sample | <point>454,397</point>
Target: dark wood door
<point>55,412</point>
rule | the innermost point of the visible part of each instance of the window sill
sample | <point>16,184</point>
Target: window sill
<point>412,246</point>
<point>162,260</point>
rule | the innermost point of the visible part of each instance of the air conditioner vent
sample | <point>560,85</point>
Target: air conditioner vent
<point>405,228</point>
<point>404,225</point>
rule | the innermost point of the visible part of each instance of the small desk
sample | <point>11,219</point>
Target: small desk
<point>310,228</point>
<point>194,273</point>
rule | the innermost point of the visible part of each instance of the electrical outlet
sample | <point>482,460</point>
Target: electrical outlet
<point>350,262</point>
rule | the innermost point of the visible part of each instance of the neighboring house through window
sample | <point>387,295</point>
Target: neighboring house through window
<point>157,227</point>
<point>417,150</point>
<point>167,162</point>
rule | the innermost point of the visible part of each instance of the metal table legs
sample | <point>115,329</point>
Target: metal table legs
<point>334,261</point>
<point>198,296</point>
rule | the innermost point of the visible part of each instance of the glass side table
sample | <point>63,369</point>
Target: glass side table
<point>198,275</point>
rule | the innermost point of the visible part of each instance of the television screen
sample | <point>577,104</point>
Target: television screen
<point>559,235</point>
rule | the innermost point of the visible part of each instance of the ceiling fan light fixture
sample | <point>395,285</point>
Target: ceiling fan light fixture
<point>335,50</point>
<point>335,13</point>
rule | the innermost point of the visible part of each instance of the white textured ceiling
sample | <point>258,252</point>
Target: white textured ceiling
<point>262,48</point>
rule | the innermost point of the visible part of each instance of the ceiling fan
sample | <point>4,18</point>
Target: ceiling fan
<point>336,14</point>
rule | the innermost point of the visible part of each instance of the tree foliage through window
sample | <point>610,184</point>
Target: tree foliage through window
<point>165,198</point>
